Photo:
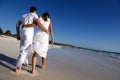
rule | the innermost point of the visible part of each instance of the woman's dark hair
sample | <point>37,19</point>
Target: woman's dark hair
<point>45,15</point>
<point>33,8</point>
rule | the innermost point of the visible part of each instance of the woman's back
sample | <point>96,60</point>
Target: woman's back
<point>44,23</point>
<point>40,35</point>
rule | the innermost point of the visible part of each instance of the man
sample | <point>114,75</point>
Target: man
<point>26,35</point>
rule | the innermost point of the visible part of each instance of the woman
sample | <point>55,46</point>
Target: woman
<point>41,41</point>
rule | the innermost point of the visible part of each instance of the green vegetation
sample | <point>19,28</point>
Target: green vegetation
<point>1,31</point>
<point>7,33</point>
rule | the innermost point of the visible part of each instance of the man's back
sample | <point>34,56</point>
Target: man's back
<point>28,18</point>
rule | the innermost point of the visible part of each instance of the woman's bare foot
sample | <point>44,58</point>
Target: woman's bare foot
<point>33,71</point>
<point>44,66</point>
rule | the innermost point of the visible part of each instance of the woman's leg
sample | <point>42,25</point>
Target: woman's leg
<point>43,62</point>
<point>34,60</point>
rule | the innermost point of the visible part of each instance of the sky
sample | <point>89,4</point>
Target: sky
<point>84,23</point>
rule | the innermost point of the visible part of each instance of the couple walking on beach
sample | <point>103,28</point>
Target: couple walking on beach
<point>28,43</point>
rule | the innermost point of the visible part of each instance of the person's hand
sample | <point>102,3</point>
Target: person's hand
<point>52,42</point>
<point>47,32</point>
<point>23,26</point>
<point>18,37</point>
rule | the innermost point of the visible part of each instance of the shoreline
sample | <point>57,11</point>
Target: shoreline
<point>65,45</point>
<point>63,63</point>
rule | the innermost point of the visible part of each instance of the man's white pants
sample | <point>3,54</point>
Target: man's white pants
<point>26,39</point>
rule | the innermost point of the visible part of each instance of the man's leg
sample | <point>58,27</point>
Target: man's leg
<point>26,41</point>
<point>26,62</point>
<point>22,55</point>
<point>20,61</point>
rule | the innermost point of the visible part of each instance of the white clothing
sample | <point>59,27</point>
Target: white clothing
<point>41,39</point>
<point>26,37</point>
<point>28,18</point>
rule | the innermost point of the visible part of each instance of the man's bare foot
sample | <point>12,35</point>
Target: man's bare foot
<point>20,71</point>
<point>26,65</point>
<point>44,66</point>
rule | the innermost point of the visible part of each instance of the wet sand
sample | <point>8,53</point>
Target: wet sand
<point>63,63</point>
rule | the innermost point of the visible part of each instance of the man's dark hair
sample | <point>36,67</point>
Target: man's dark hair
<point>33,8</point>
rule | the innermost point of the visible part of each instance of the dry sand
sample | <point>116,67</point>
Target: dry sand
<point>63,63</point>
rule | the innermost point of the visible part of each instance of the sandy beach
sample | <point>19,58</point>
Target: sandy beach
<point>63,63</point>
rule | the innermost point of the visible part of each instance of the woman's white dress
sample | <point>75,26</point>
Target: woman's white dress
<point>41,39</point>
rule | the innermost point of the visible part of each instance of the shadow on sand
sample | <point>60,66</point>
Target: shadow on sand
<point>7,59</point>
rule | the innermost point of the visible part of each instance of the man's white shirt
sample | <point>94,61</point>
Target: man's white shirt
<point>28,18</point>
